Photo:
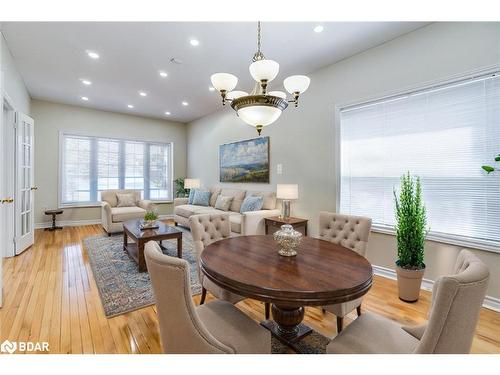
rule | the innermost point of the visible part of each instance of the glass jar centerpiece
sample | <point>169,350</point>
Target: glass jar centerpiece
<point>288,240</point>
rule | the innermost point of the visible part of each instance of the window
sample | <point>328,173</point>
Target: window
<point>90,165</point>
<point>442,134</point>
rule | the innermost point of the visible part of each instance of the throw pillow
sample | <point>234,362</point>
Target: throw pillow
<point>202,198</point>
<point>252,204</point>
<point>125,200</point>
<point>191,195</point>
<point>223,203</point>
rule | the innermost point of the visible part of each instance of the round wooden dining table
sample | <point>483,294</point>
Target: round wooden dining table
<point>321,274</point>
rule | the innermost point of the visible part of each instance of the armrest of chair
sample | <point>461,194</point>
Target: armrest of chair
<point>105,215</point>
<point>252,222</point>
<point>146,204</point>
<point>180,201</point>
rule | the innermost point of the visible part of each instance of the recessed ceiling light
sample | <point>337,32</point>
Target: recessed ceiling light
<point>167,113</point>
<point>211,88</point>
<point>93,55</point>
<point>84,98</point>
<point>163,74</point>
<point>318,29</point>
<point>142,93</point>
<point>130,106</point>
<point>185,103</point>
<point>194,42</point>
<point>86,82</point>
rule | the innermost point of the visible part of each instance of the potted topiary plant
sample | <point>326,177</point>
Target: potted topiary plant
<point>411,231</point>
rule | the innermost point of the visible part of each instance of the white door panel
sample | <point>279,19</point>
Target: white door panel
<point>24,183</point>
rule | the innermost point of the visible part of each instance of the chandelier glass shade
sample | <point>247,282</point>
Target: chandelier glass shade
<point>260,108</point>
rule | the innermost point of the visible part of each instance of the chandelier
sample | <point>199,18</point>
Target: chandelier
<point>260,108</point>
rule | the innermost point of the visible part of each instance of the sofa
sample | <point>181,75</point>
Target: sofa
<point>113,216</point>
<point>246,223</point>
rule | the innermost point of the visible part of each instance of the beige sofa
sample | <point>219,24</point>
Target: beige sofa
<point>113,217</point>
<point>247,223</point>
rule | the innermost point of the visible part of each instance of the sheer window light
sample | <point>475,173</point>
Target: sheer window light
<point>444,135</point>
<point>90,165</point>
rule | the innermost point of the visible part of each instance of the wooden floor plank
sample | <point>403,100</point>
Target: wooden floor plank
<point>50,295</point>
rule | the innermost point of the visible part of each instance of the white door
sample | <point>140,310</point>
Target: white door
<point>25,228</point>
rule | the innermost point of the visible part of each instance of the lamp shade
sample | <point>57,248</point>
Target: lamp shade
<point>287,191</point>
<point>191,183</point>
<point>296,84</point>
<point>236,94</point>
<point>264,69</point>
<point>224,81</point>
<point>279,94</point>
<point>259,115</point>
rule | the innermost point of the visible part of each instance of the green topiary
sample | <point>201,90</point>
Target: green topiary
<point>151,216</point>
<point>411,223</point>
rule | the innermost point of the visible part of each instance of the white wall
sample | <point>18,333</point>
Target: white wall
<point>303,139</point>
<point>13,82</point>
<point>50,118</point>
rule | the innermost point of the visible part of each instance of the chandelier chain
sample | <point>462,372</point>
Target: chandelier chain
<point>258,55</point>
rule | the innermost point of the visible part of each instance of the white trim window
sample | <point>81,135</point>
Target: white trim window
<point>89,165</point>
<point>444,135</point>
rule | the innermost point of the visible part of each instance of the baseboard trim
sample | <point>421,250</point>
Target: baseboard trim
<point>489,302</point>
<point>77,223</point>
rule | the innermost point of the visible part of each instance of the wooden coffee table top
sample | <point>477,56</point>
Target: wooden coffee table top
<point>322,273</point>
<point>134,229</point>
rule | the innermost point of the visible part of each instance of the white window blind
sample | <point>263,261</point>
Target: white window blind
<point>443,135</point>
<point>90,165</point>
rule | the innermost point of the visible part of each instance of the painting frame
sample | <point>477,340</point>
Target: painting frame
<point>248,167</point>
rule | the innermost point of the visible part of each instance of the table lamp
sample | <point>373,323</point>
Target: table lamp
<point>191,183</point>
<point>287,192</point>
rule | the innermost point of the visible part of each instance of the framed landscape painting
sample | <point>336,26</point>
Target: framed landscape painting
<point>245,161</point>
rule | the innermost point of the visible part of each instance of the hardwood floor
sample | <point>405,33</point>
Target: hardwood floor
<point>50,295</point>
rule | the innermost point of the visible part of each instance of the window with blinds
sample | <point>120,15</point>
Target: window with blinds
<point>444,135</point>
<point>90,165</point>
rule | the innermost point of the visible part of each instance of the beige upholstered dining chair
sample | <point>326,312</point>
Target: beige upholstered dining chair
<point>351,232</point>
<point>456,302</point>
<point>206,229</point>
<point>216,327</point>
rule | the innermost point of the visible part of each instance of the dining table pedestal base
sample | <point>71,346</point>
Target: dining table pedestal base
<point>287,325</point>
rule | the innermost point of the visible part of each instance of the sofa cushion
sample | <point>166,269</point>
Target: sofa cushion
<point>187,210</point>
<point>235,221</point>
<point>192,192</point>
<point>202,198</point>
<point>109,196</point>
<point>223,203</point>
<point>269,198</point>
<point>238,196</point>
<point>125,200</point>
<point>252,204</point>
<point>215,193</point>
<point>120,214</point>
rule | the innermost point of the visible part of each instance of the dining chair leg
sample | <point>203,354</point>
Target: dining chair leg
<point>203,295</point>
<point>358,310</point>
<point>340,323</point>
<point>268,310</point>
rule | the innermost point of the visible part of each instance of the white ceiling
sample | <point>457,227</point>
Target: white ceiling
<point>51,58</point>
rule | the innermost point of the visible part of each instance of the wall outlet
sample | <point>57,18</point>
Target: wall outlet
<point>279,169</point>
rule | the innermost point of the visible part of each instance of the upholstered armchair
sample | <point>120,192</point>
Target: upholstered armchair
<point>206,229</point>
<point>455,306</point>
<point>351,232</point>
<point>113,215</point>
<point>215,328</point>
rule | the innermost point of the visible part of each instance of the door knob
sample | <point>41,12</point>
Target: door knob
<point>7,200</point>
<point>34,188</point>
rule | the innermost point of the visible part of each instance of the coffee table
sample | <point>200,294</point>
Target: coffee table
<point>132,229</point>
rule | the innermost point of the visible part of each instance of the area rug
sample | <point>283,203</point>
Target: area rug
<point>314,343</point>
<point>122,287</point>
